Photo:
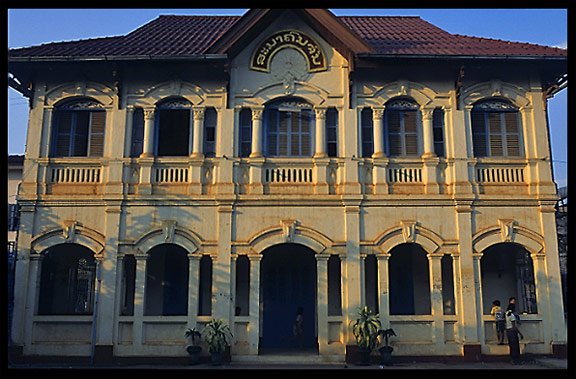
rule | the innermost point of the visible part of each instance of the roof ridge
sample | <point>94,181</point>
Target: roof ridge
<point>68,41</point>
<point>507,42</point>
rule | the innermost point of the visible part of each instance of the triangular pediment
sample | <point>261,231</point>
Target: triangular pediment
<point>322,21</point>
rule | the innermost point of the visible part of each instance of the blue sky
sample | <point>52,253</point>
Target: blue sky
<point>29,27</point>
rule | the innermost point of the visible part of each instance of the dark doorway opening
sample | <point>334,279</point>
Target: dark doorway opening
<point>287,283</point>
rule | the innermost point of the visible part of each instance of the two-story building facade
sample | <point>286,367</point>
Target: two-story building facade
<point>242,168</point>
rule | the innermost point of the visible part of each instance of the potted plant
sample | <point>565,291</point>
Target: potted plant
<point>386,350</point>
<point>193,337</point>
<point>217,335</point>
<point>365,329</point>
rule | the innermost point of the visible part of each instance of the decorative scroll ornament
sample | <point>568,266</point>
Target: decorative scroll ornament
<point>168,228</point>
<point>81,104</point>
<point>495,104</point>
<point>69,230</point>
<point>262,56</point>
<point>408,230</point>
<point>289,66</point>
<point>507,229</point>
<point>288,229</point>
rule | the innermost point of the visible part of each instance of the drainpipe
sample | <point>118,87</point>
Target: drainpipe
<point>95,313</point>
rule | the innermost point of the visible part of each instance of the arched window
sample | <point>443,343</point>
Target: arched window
<point>409,277</point>
<point>289,124</point>
<point>78,129</point>
<point>67,281</point>
<point>508,271</point>
<point>166,281</point>
<point>496,129</point>
<point>173,127</point>
<point>400,123</point>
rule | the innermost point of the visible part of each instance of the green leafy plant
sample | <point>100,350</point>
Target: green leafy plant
<point>384,334</point>
<point>217,335</point>
<point>194,335</point>
<point>365,329</point>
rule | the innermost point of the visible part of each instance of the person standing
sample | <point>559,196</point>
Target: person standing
<point>512,333</point>
<point>297,329</point>
<point>500,321</point>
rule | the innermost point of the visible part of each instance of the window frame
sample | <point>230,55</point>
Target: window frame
<point>167,105</point>
<point>245,133</point>
<point>295,108</point>
<point>76,110</point>
<point>332,144</point>
<point>210,125</point>
<point>487,109</point>
<point>366,132</point>
<point>401,107</point>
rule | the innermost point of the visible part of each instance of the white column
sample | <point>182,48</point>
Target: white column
<point>428,132</point>
<point>197,132</point>
<point>148,150</point>
<point>137,326</point>
<point>383,290</point>
<point>129,130</point>
<point>320,133</point>
<point>254,296</point>
<point>542,295</point>
<point>322,298</point>
<point>378,115</point>
<point>478,291</point>
<point>257,132</point>
<point>435,269</point>
<point>31,300</point>
<point>193,288</point>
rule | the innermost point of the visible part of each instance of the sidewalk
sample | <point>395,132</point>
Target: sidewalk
<point>532,364</point>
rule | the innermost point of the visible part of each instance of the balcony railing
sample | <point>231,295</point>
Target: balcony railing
<point>282,176</point>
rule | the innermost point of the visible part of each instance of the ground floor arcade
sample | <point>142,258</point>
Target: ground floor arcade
<point>78,299</point>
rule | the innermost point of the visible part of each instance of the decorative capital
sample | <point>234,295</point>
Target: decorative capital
<point>149,114</point>
<point>427,113</point>
<point>320,113</point>
<point>378,113</point>
<point>198,113</point>
<point>257,114</point>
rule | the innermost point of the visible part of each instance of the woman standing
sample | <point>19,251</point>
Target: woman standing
<point>512,333</point>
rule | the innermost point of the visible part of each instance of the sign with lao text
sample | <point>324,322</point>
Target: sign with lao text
<point>262,56</point>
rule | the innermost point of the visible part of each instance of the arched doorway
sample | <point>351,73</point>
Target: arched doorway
<point>507,271</point>
<point>287,282</point>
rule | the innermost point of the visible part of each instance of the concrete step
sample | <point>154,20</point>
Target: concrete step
<point>300,359</point>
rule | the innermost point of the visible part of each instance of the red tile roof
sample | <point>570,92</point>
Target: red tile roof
<point>193,35</point>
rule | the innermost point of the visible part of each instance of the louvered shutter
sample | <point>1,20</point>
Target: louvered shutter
<point>63,134</point>
<point>245,132</point>
<point>495,130</point>
<point>97,134</point>
<point>512,134</point>
<point>394,136</point>
<point>410,133</point>
<point>283,131</point>
<point>479,134</point>
<point>367,131</point>
<point>305,121</point>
